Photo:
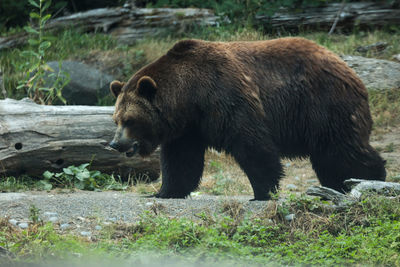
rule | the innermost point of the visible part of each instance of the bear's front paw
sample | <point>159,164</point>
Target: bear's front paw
<point>264,198</point>
<point>169,195</point>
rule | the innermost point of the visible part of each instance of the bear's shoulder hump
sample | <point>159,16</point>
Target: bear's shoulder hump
<point>185,46</point>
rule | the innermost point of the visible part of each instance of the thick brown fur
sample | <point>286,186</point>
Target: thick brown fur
<point>258,101</point>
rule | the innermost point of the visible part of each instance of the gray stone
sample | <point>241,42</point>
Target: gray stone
<point>98,227</point>
<point>291,187</point>
<point>396,57</point>
<point>380,187</point>
<point>297,178</point>
<point>86,83</point>
<point>23,225</point>
<point>13,222</point>
<point>65,226</point>
<point>290,217</point>
<point>53,219</point>
<point>112,219</point>
<point>311,181</point>
<point>86,233</point>
<point>376,74</point>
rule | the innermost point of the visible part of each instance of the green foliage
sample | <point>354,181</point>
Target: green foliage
<point>368,234</point>
<point>34,82</point>
<point>81,178</point>
<point>12,184</point>
<point>68,44</point>
<point>34,214</point>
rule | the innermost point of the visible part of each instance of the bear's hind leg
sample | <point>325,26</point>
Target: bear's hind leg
<point>333,169</point>
<point>182,163</point>
<point>263,168</point>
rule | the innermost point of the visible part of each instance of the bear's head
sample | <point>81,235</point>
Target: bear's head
<point>137,118</point>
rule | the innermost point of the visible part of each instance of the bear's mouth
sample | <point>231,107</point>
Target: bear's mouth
<point>133,150</point>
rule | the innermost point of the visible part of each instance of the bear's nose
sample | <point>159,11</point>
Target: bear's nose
<point>114,145</point>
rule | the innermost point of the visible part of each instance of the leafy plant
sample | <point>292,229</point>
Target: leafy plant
<point>82,178</point>
<point>34,214</point>
<point>37,70</point>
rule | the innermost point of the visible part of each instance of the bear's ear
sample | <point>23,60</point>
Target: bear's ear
<point>116,87</point>
<point>146,87</point>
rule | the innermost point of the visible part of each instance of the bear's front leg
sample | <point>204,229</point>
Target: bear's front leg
<point>182,162</point>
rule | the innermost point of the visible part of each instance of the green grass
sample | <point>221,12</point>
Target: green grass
<point>72,177</point>
<point>385,107</point>
<point>21,183</point>
<point>366,233</point>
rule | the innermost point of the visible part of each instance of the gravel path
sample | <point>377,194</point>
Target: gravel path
<point>85,212</point>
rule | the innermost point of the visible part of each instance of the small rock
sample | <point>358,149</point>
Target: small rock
<point>106,223</point>
<point>53,219</point>
<point>98,227</point>
<point>297,178</point>
<point>288,164</point>
<point>50,214</point>
<point>291,187</point>
<point>376,74</point>
<point>290,217</point>
<point>148,204</point>
<point>112,219</point>
<point>23,225</point>
<point>311,181</point>
<point>64,226</point>
<point>396,57</point>
<point>13,222</point>
<point>86,233</point>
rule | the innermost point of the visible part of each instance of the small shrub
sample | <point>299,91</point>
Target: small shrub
<point>34,82</point>
<point>82,178</point>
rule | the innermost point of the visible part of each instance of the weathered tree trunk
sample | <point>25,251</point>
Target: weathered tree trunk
<point>356,13</point>
<point>36,138</point>
<point>126,24</point>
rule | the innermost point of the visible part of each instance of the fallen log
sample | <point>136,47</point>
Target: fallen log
<point>35,138</point>
<point>351,14</point>
<point>127,24</point>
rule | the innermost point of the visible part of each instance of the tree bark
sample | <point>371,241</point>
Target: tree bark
<point>353,14</point>
<point>35,138</point>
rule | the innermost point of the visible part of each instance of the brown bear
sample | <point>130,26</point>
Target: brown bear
<point>258,101</point>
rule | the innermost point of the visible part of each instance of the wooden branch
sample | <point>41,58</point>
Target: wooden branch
<point>2,87</point>
<point>35,138</point>
<point>355,13</point>
<point>339,199</point>
<point>337,17</point>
